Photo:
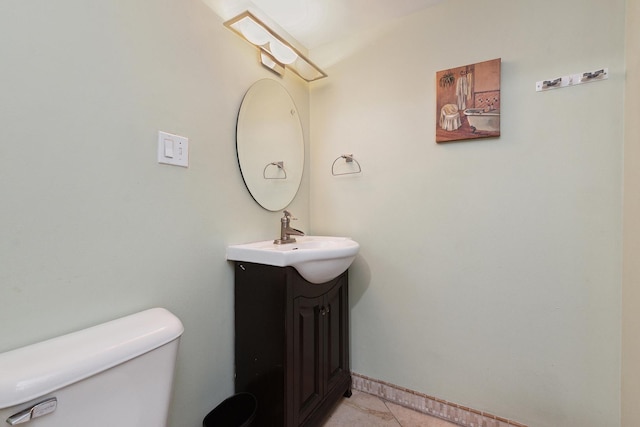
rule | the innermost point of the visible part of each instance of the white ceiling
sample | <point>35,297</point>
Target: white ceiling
<point>316,22</point>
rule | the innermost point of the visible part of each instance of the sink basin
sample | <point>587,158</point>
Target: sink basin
<point>317,258</point>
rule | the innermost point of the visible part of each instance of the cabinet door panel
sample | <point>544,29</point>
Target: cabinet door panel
<point>336,340</point>
<point>307,354</point>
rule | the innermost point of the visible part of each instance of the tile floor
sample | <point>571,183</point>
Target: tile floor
<point>366,410</point>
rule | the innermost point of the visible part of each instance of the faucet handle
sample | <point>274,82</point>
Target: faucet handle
<point>287,214</point>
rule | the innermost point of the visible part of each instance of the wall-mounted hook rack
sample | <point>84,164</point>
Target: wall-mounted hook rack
<point>573,80</point>
<point>279,165</point>
<point>348,159</point>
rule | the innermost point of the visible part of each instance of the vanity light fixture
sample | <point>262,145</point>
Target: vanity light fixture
<point>275,53</point>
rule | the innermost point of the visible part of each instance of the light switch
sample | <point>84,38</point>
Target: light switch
<point>168,147</point>
<point>173,149</point>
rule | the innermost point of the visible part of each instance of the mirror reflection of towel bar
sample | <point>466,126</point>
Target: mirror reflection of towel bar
<point>348,159</point>
<point>280,166</point>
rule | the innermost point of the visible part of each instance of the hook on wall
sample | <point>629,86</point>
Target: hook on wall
<point>279,165</point>
<point>593,75</point>
<point>551,83</point>
<point>349,160</point>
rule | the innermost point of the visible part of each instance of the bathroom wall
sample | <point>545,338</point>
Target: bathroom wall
<point>93,227</point>
<point>489,273</point>
<point>631,270</point>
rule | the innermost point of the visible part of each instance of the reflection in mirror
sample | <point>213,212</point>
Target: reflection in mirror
<point>270,145</point>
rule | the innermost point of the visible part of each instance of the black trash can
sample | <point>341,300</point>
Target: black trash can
<point>238,410</point>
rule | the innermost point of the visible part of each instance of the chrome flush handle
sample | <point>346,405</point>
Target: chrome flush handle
<point>38,410</point>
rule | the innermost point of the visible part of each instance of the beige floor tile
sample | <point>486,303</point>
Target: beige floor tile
<point>409,418</point>
<point>361,410</point>
<point>366,410</point>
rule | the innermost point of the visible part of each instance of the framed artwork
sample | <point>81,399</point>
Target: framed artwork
<point>468,102</point>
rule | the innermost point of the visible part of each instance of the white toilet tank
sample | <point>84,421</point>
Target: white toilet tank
<point>117,374</point>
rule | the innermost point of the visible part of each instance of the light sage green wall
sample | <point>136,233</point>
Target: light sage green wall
<point>631,270</point>
<point>489,273</point>
<point>92,227</point>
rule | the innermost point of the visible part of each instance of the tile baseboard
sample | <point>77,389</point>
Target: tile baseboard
<point>449,411</point>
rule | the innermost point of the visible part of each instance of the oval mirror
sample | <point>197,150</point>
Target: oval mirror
<point>270,144</point>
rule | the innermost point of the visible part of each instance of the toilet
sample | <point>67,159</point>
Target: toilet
<point>116,374</point>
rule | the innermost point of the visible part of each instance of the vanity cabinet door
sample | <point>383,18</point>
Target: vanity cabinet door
<point>337,336</point>
<point>320,356</point>
<point>308,350</point>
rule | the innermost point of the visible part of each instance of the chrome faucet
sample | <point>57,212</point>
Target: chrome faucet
<point>286,231</point>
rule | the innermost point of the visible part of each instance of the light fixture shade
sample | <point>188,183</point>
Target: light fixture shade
<point>306,71</point>
<point>253,32</point>
<point>277,49</point>
<point>282,53</point>
<point>271,63</point>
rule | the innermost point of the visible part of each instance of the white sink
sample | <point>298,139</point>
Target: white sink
<point>317,258</point>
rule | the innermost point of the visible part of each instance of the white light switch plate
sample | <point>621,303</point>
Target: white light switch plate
<point>173,149</point>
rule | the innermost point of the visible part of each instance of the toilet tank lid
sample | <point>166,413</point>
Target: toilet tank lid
<point>30,372</point>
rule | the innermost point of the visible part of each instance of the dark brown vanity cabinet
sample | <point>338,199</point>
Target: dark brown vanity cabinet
<point>291,343</point>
